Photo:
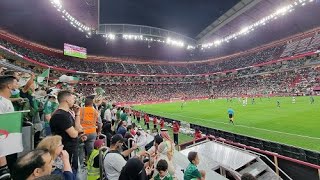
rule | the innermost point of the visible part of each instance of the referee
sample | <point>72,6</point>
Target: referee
<point>231,115</point>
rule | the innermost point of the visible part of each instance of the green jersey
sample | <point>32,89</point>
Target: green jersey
<point>191,172</point>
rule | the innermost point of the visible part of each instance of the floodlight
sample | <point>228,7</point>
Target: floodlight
<point>57,2</point>
<point>112,36</point>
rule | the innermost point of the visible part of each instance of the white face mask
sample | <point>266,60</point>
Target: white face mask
<point>15,92</point>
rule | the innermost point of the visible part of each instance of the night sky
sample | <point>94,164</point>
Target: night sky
<point>188,17</point>
<point>38,21</point>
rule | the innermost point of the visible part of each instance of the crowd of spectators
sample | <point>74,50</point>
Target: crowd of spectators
<point>68,143</point>
<point>129,68</point>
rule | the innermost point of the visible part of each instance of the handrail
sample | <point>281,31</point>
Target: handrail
<point>272,154</point>
<point>101,164</point>
<point>131,139</point>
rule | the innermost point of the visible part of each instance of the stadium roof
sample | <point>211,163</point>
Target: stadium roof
<point>237,10</point>
<point>38,21</point>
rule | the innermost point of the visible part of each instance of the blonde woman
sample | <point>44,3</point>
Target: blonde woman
<point>59,156</point>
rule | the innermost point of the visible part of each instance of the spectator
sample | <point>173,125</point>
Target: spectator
<point>114,160</point>
<point>134,170</point>
<point>133,129</point>
<point>165,152</point>
<point>107,130</point>
<point>93,162</point>
<point>141,139</point>
<point>169,144</point>
<point>192,171</point>
<point>59,156</point>
<point>7,84</point>
<point>107,113</point>
<point>50,106</point>
<point>123,115</point>
<point>153,150</point>
<point>66,123</point>
<point>89,120</point>
<point>34,164</point>
<point>122,129</point>
<point>162,168</point>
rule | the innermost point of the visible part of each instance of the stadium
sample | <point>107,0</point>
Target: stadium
<point>105,89</point>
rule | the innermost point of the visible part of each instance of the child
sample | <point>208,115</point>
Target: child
<point>192,171</point>
<point>162,168</point>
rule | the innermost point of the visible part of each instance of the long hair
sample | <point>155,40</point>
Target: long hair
<point>51,143</point>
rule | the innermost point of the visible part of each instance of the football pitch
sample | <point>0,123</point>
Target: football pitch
<point>296,124</point>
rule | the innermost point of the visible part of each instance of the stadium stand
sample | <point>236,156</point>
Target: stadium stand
<point>298,46</point>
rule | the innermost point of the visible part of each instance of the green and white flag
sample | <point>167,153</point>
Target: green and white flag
<point>10,133</point>
<point>68,79</point>
<point>42,76</point>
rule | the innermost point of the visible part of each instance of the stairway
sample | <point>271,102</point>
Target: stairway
<point>260,170</point>
<point>255,169</point>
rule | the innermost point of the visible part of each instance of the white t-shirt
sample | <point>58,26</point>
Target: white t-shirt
<point>113,164</point>
<point>113,113</point>
<point>107,115</point>
<point>5,105</point>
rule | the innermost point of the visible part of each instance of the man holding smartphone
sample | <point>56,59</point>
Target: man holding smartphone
<point>65,121</point>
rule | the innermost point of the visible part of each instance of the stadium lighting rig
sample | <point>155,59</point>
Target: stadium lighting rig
<point>57,4</point>
<point>73,21</point>
<point>246,30</point>
<point>137,37</point>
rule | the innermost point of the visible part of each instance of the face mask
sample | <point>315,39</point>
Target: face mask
<point>15,92</point>
<point>49,103</point>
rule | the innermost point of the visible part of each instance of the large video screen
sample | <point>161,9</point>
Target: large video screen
<point>75,51</point>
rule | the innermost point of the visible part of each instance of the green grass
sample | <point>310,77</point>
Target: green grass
<point>293,124</point>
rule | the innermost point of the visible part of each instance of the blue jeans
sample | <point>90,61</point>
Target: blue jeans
<point>88,144</point>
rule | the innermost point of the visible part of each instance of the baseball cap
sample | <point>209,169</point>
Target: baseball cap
<point>98,143</point>
<point>116,138</point>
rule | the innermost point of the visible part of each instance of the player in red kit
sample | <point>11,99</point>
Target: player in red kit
<point>138,115</point>
<point>176,129</point>
<point>147,121</point>
<point>161,123</point>
<point>197,134</point>
<point>155,122</point>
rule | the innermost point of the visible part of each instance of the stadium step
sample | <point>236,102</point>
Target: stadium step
<point>268,176</point>
<point>255,169</point>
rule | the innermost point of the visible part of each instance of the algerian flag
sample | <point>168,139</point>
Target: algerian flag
<point>41,77</point>
<point>10,133</point>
